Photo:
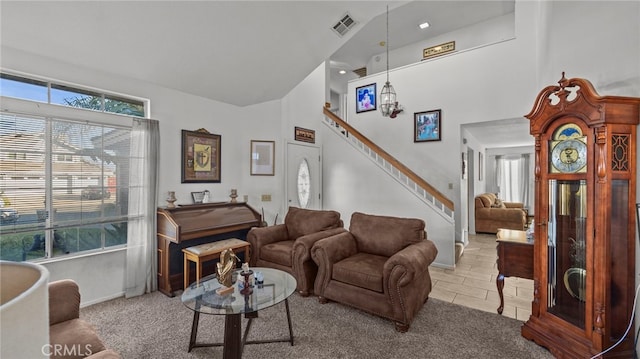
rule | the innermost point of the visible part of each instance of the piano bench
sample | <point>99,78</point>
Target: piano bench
<point>209,251</point>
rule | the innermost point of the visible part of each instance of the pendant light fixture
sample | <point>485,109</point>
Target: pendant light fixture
<point>388,103</point>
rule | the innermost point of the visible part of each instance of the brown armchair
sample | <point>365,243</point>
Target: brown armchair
<point>77,338</point>
<point>287,246</point>
<point>381,266</point>
<point>491,213</point>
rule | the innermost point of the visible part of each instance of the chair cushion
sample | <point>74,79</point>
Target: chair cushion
<point>498,204</point>
<point>486,200</point>
<point>278,252</point>
<point>385,236</point>
<point>361,270</point>
<point>78,336</point>
<point>300,221</point>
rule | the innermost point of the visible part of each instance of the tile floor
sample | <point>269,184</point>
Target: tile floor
<point>473,282</point>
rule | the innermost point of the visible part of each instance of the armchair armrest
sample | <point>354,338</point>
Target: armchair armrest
<point>261,236</point>
<point>514,205</point>
<point>304,267</point>
<point>401,268</point>
<point>64,301</point>
<point>334,249</point>
<point>328,251</point>
<point>302,246</point>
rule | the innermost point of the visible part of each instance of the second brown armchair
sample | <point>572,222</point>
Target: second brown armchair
<point>288,246</point>
<point>381,266</point>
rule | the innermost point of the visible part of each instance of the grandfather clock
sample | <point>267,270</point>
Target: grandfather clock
<point>584,248</point>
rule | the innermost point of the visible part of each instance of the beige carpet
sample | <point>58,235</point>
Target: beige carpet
<point>156,326</point>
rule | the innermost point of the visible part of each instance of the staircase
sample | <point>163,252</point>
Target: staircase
<point>398,171</point>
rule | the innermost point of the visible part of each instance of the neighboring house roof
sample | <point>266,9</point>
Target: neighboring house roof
<point>33,162</point>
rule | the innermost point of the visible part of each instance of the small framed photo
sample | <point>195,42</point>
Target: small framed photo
<point>200,156</point>
<point>263,158</point>
<point>427,126</point>
<point>366,98</point>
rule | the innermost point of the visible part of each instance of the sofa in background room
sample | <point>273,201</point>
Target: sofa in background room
<point>492,213</point>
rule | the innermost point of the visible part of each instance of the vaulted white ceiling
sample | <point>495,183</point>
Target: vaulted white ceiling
<point>237,52</point>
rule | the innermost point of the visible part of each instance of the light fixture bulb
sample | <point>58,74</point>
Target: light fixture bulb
<point>424,25</point>
<point>342,72</point>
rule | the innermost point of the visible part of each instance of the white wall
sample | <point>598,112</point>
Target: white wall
<point>595,40</point>
<point>482,84</point>
<point>501,81</point>
<point>490,31</point>
<point>102,276</point>
<point>355,184</point>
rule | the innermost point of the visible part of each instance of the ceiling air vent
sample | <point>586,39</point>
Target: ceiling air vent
<point>344,24</point>
<point>362,72</point>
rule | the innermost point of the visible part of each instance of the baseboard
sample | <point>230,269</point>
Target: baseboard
<point>100,300</point>
<point>459,250</point>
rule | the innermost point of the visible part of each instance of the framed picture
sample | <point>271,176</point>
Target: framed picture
<point>305,135</point>
<point>366,98</point>
<point>200,156</point>
<point>427,126</point>
<point>263,158</point>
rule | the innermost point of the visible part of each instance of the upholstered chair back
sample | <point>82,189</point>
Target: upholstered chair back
<point>300,221</point>
<point>485,200</point>
<point>385,236</point>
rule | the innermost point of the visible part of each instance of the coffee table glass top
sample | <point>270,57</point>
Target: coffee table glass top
<point>202,297</point>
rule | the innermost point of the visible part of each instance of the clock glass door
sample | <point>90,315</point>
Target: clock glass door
<point>566,255</point>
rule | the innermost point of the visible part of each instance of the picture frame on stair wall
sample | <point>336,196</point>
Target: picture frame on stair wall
<point>366,98</point>
<point>427,126</point>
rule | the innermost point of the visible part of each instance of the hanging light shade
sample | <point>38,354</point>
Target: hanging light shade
<point>388,103</point>
<point>387,99</point>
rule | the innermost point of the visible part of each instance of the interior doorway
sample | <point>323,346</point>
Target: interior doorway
<point>471,223</point>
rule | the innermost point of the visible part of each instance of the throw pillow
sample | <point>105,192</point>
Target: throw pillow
<point>498,204</point>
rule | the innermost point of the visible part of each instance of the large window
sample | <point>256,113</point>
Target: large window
<point>63,186</point>
<point>65,95</point>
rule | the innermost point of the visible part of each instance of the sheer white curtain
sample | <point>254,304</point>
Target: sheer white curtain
<point>143,182</point>
<point>513,178</point>
<point>525,180</point>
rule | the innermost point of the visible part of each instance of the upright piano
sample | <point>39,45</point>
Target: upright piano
<point>191,225</point>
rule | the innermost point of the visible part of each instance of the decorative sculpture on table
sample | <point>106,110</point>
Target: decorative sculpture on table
<point>224,271</point>
<point>246,273</point>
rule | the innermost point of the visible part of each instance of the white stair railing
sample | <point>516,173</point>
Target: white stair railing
<point>443,209</point>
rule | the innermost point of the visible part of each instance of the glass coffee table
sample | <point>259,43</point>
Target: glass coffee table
<point>201,297</point>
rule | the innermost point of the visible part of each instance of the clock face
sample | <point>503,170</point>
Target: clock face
<point>569,156</point>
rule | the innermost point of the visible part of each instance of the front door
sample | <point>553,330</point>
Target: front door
<point>303,176</point>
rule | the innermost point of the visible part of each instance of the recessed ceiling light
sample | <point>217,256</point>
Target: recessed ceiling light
<point>424,25</point>
<point>342,72</point>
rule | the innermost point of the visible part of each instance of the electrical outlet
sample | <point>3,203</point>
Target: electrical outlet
<point>266,198</point>
<point>450,185</point>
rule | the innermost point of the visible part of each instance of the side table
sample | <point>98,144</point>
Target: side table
<point>515,258</point>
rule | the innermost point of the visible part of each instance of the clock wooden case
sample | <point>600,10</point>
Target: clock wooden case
<point>584,247</point>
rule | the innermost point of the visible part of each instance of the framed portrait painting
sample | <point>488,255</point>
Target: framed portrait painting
<point>366,98</point>
<point>262,158</point>
<point>200,156</point>
<point>426,126</point>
